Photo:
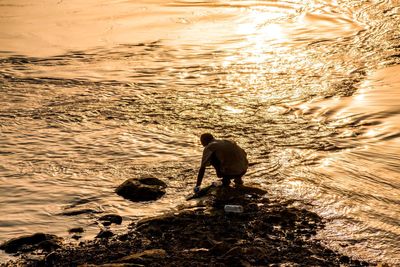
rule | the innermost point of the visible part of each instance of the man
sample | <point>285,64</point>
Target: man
<point>228,159</point>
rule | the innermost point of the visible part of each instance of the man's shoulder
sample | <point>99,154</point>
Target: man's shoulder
<point>212,145</point>
<point>221,145</point>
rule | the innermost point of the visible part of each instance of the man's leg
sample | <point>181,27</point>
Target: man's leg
<point>226,181</point>
<point>216,164</point>
<point>238,181</point>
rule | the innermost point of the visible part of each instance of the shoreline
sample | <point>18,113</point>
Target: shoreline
<point>266,233</point>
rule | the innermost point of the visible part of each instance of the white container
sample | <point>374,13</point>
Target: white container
<point>233,208</point>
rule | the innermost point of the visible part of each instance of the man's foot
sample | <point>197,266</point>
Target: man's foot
<point>238,182</point>
<point>226,182</point>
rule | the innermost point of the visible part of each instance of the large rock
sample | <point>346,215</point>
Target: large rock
<point>31,242</point>
<point>142,189</point>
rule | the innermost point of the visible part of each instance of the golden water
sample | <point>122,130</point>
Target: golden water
<point>95,92</point>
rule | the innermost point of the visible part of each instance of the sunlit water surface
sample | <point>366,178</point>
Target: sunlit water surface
<point>96,92</point>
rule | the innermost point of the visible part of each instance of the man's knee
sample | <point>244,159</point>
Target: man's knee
<point>218,172</point>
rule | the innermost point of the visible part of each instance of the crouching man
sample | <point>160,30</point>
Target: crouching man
<point>228,159</point>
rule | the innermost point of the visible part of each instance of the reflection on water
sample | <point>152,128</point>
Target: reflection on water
<point>110,90</point>
<point>361,183</point>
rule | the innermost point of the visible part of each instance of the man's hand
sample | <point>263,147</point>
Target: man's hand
<point>196,189</point>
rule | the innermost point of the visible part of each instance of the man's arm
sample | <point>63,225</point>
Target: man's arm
<point>205,161</point>
<point>200,176</point>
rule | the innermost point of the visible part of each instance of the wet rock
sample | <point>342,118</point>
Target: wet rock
<point>105,234</point>
<point>220,248</point>
<point>31,242</point>
<point>76,230</point>
<point>344,259</point>
<point>144,257</point>
<point>233,252</point>
<point>49,245</point>
<point>76,237</point>
<point>142,189</point>
<point>51,259</point>
<point>109,219</point>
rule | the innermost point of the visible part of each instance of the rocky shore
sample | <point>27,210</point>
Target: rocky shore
<point>264,233</point>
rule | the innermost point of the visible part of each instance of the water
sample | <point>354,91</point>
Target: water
<point>97,92</point>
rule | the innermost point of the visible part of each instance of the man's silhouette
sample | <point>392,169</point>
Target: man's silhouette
<point>228,159</point>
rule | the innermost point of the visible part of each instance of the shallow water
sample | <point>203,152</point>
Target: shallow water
<point>94,93</point>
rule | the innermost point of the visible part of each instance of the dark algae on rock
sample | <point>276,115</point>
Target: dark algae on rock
<point>266,233</point>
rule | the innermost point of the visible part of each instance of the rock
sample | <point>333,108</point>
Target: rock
<point>76,237</point>
<point>76,230</point>
<point>31,242</point>
<point>144,257</point>
<point>51,259</point>
<point>105,234</point>
<point>203,192</point>
<point>109,219</point>
<point>233,251</point>
<point>142,189</point>
<point>256,252</point>
<point>344,259</point>
<point>49,245</point>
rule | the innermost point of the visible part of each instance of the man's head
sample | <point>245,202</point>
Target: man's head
<point>206,138</point>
